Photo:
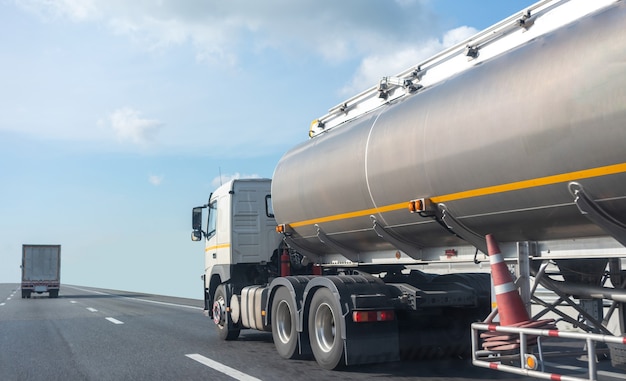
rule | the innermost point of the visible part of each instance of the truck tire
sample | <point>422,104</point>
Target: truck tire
<point>54,294</point>
<point>284,324</point>
<point>221,318</point>
<point>325,330</point>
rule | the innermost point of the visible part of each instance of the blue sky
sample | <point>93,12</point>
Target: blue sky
<point>117,117</point>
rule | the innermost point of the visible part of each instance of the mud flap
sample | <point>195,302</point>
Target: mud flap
<point>304,345</point>
<point>371,342</point>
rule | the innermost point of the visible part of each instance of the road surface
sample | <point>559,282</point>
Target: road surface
<point>95,334</point>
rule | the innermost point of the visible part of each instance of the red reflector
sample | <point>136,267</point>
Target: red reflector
<point>372,316</point>
<point>385,315</point>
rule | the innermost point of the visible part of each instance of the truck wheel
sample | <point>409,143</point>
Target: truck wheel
<point>221,318</point>
<point>284,324</point>
<point>325,330</point>
<point>54,294</point>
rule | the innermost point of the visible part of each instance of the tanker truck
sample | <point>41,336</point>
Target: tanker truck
<point>368,244</point>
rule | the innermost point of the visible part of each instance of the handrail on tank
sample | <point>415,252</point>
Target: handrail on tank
<point>495,31</point>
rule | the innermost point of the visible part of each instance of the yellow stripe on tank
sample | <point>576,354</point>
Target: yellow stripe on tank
<point>533,183</point>
<point>343,216</point>
<point>502,188</point>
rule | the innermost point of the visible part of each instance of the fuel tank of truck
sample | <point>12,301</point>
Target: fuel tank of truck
<point>497,145</point>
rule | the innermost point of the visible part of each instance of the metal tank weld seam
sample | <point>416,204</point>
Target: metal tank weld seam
<point>367,144</point>
<point>502,188</point>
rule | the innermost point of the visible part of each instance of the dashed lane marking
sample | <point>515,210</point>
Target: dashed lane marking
<point>231,372</point>
<point>2,304</point>
<point>91,309</point>
<point>114,321</point>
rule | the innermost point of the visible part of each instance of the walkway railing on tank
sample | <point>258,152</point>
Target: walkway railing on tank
<point>532,363</point>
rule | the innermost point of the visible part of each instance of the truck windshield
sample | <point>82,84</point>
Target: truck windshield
<point>212,224</point>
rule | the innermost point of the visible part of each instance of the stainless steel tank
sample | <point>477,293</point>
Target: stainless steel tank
<point>498,144</point>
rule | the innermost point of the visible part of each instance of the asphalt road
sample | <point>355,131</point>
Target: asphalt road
<point>95,334</point>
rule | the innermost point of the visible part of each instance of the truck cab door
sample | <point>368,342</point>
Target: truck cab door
<point>211,233</point>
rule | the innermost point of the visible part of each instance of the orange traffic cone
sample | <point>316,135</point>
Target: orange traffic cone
<point>510,306</point>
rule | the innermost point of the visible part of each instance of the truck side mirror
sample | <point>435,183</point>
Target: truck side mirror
<point>196,235</point>
<point>196,218</point>
<point>196,223</point>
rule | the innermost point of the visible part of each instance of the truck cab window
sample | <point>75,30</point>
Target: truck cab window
<point>212,224</point>
<point>269,209</point>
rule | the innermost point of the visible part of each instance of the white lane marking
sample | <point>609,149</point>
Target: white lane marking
<point>2,304</point>
<point>92,291</point>
<point>73,301</point>
<point>114,321</point>
<point>234,373</point>
<point>166,303</point>
<point>9,298</point>
<point>605,373</point>
<point>92,309</point>
<point>138,299</point>
<point>581,369</point>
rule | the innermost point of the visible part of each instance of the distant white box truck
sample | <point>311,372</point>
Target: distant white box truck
<point>41,270</point>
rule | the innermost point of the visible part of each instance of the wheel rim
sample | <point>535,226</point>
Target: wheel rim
<point>325,327</point>
<point>283,321</point>
<point>218,311</point>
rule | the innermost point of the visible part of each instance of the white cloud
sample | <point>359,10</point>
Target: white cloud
<point>128,124</point>
<point>376,66</point>
<point>77,10</point>
<point>371,38</point>
<point>333,30</point>
<point>156,180</point>
<point>456,35</point>
<point>224,178</point>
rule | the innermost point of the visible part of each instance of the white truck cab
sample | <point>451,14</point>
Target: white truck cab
<point>240,227</point>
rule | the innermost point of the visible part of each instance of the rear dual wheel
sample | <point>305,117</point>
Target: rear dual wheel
<point>284,330</point>
<point>325,330</point>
